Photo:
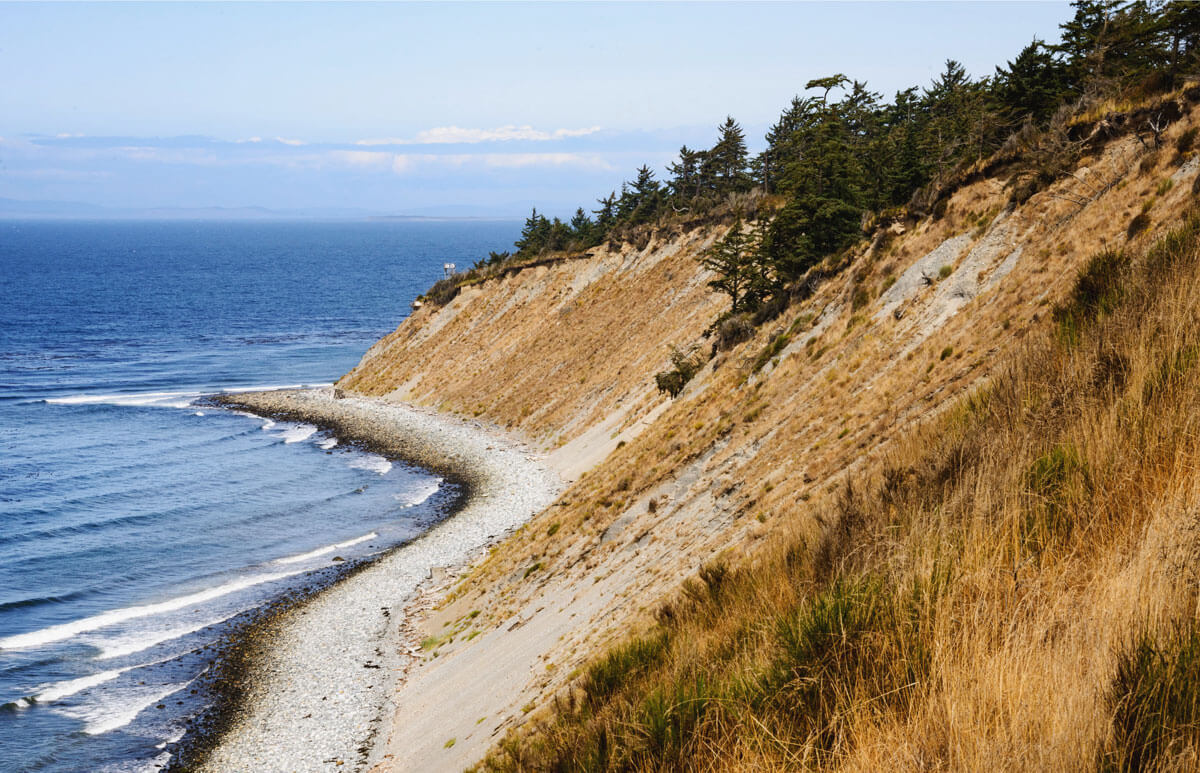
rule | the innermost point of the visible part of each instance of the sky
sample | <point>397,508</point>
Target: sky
<point>433,108</point>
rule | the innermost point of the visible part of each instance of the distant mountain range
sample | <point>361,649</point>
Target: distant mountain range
<point>17,208</point>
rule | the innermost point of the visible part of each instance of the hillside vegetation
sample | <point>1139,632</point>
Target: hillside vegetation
<point>1011,586</point>
<point>928,503</point>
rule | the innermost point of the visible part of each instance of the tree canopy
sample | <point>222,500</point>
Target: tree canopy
<point>840,151</point>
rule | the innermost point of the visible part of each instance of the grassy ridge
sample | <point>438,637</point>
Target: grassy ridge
<point>1014,587</point>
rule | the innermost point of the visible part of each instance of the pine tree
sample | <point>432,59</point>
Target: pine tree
<point>558,236</point>
<point>734,261</point>
<point>606,216</point>
<point>905,119</point>
<point>1181,27</point>
<point>785,142</point>
<point>583,230</point>
<point>728,158</point>
<point>1084,39</point>
<point>685,174</point>
<point>1033,84</point>
<point>535,235</point>
<point>829,83</point>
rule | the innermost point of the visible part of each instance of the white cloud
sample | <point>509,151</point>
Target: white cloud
<point>403,163</point>
<point>444,135</point>
<point>518,160</point>
<point>192,156</point>
<point>66,135</point>
<point>293,143</point>
<point>367,158</point>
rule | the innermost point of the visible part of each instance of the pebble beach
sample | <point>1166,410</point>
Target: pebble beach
<point>323,674</point>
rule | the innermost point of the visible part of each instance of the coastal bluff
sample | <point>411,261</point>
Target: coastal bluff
<point>747,458</point>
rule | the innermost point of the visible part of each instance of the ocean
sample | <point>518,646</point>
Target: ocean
<point>137,524</point>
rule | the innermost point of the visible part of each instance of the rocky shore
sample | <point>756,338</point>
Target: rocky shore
<point>322,675</point>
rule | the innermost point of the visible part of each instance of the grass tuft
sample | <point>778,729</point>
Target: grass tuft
<point>1155,701</point>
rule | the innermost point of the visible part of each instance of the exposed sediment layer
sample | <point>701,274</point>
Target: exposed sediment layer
<point>320,690</point>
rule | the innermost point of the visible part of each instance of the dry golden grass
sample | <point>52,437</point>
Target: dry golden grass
<point>967,603</point>
<point>555,349</point>
<point>1017,621</point>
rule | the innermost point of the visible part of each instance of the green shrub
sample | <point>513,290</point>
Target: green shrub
<point>1138,225</point>
<point>622,664</point>
<point>777,345</point>
<point>669,717</point>
<point>1170,372</point>
<point>733,330</point>
<point>945,271</point>
<point>1155,699</point>
<point>685,365</point>
<point>861,298</point>
<point>1098,290</point>
<point>1051,480</point>
<point>1187,140</point>
<point>852,641</point>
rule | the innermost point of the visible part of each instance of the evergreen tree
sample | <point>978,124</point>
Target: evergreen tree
<point>626,203</point>
<point>909,170</point>
<point>785,142</point>
<point>535,235</point>
<point>734,260</point>
<point>728,158</point>
<point>828,83</point>
<point>806,230</point>
<point>1033,84</point>
<point>1084,40</point>
<point>685,174</point>
<point>606,216</point>
<point>645,185</point>
<point>1181,28</point>
<point>583,230</point>
<point>558,236</point>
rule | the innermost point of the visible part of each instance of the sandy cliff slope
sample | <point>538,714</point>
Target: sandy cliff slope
<point>565,355</point>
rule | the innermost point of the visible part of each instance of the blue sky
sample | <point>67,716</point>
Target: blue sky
<point>432,107</point>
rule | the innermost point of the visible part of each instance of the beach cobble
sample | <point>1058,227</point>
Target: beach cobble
<point>321,686</point>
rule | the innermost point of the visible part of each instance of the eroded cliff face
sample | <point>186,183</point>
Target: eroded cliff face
<point>555,350</point>
<point>567,355</point>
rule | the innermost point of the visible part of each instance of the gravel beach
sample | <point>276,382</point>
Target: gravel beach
<point>321,689</point>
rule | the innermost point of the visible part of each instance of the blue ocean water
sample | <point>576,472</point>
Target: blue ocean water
<point>133,523</point>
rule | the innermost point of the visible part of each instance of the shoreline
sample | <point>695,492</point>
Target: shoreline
<point>317,676</point>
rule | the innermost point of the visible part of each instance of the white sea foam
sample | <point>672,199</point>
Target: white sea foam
<point>180,399</point>
<point>56,691</point>
<point>118,708</point>
<point>199,413</point>
<point>267,424</point>
<point>274,387</point>
<point>327,443</point>
<point>153,399</point>
<point>137,641</point>
<point>420,494</point>
<point>56,633</point>
<point>327,549</point>
<point>297,433</point>
<point>371,462</point>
